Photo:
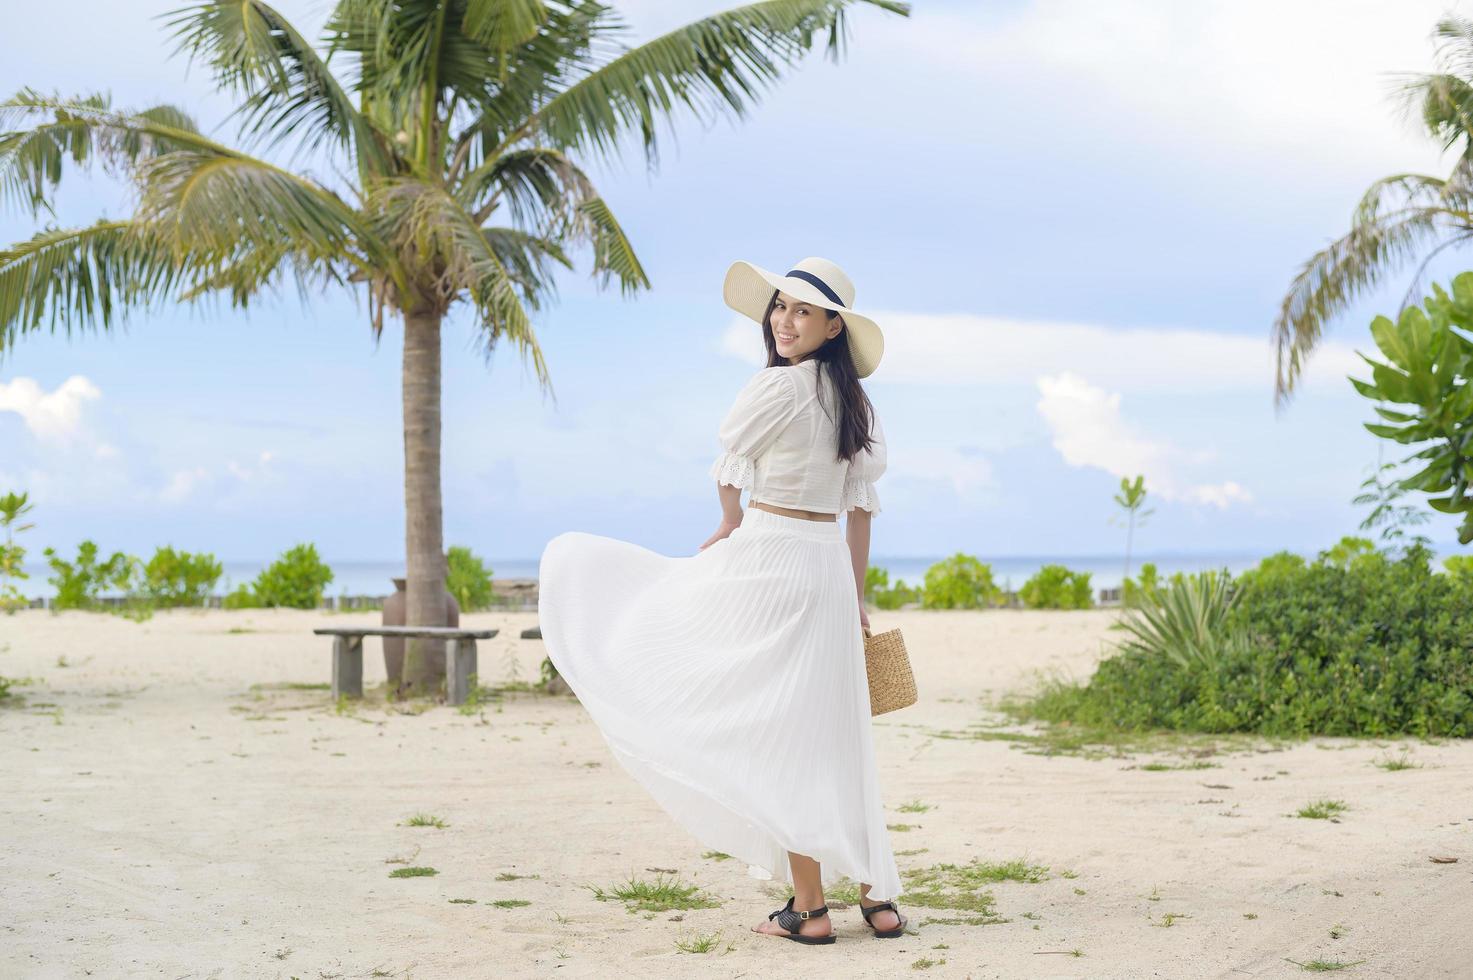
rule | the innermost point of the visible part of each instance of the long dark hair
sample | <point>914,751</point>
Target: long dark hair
<point>855,411</point>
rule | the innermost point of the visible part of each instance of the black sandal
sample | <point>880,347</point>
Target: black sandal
<point>899,930</point>
<point>791,919</point>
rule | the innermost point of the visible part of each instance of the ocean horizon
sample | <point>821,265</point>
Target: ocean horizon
<point>374,577</point>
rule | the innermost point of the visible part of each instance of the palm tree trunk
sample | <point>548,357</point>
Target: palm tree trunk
<point>424,660</point>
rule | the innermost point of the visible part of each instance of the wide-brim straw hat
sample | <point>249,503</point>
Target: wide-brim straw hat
<point>748,289</point>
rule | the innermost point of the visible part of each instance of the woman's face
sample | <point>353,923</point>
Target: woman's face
<point>800,328</point>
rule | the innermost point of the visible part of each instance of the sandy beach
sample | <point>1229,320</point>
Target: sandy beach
<point>175,807</point>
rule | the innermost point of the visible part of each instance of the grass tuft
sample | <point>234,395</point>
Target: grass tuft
<point>660,895</point>
<point>1322,810</point>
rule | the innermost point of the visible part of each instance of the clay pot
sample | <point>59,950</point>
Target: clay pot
<point>394,615</point>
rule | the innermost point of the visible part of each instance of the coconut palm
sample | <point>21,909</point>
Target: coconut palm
<point>1401,218</point>
<point>454,130</point>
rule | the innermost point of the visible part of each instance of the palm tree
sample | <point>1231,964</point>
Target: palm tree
<point>454,127</point>
<point>1400,218</point>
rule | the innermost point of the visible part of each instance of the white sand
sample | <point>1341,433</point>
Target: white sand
<point>162,819</point>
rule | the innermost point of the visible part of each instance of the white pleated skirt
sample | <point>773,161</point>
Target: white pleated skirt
<point>731,685</point>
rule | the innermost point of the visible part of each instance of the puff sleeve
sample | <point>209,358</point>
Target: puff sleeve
<point>767,403</point>
<point>864,469</point>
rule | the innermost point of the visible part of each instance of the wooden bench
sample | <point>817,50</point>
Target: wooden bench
<point>347,655</point>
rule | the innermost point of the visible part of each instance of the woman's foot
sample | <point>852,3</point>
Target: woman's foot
<point>884,920</point>
<point>818,926</point>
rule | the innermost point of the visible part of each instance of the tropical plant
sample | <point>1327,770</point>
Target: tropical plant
<point>1430,369</point>
<point>469,579</point>
<point>1132,498</point>
<point>295,580</point>
<point>80,584</point>
<point>178,578</point>
<point>876,580</point>
<point>1185,623</point>
<point>1371,647</point>
<point>1056,587</point>
<point>1459,567</point>
<point>1391,517</point>
<point>1133,591</point>
<point>455,129</point>
<point>1399,218</point>
<point>13,506</point>
<point>1277,567</point>
<point>959,582</point>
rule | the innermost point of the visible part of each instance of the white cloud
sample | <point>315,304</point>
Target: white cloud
<point>185,483</point>
<point>50,416</point>
<point>1248,76</point>
<point>963,348</point>
<point>1088,429</point>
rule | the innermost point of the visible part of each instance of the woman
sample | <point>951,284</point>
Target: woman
<point>731,683</point>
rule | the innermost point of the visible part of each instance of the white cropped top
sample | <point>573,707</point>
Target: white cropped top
<point>779,443</point>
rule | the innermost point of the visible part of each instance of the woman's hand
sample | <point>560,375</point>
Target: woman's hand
<point>863,617</point>
<point>722,530</point>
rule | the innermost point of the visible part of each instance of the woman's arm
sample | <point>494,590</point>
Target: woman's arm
<point>856,532</point>
<point>731,513</point>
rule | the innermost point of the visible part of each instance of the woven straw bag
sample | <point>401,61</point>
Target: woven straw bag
<point>891,683</point>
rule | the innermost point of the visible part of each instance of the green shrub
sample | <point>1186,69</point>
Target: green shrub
<point>1459,566</point>
<point>1133,591</point>
<point>469,579</point>
<point>178,578</point>
<point>879,593</point>
<point>897,595</point>
<point>876,580</point>
<point>1276,567</point>
<point>1355,644</point>
<point>958,582</point>
<point>241,597</point>
<point>80,584</point>
<point>1056,587</point>
<point>295,580</point>
<point>13,506</point>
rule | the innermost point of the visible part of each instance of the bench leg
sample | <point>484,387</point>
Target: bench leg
<point>462,668</point>
<point>347,666</point>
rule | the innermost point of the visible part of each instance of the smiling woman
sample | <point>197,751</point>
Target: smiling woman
<point>701,670</point>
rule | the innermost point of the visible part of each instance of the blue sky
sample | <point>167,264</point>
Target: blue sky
<point>1074,221</point>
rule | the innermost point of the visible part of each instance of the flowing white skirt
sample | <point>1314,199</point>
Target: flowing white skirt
<point>731,685</point>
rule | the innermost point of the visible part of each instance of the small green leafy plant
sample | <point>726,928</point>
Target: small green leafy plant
<point>959,582</point>
<point>469,579</point>
<point>1056,587</point>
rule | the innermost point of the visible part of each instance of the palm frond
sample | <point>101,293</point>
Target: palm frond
<point>82,278</point>
<point>528,260</point>
<point>287,87</point>
<point>538,184</point>
<point>39,133</point>
<point>544,190</point>
<point>446,237</point>
<point>717,64</point>
<point>577,37</point>
<point>613,255</point>
<point>503,24</point>
<point>216,205</point>
<point>1345,269</point>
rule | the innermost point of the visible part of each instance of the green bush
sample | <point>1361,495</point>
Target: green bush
<point>879,593</point>
<point>1354,644</point>
<point>241,597</point>
<point>469,579</point>
<point>178,578</point>
<point>80,584</point>
<point>1133,591</point>
<point>958,582</point>
<point>1459,566</point>
<point>1056,587</point>
<point>295,580</point>
<point>13,506</point>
